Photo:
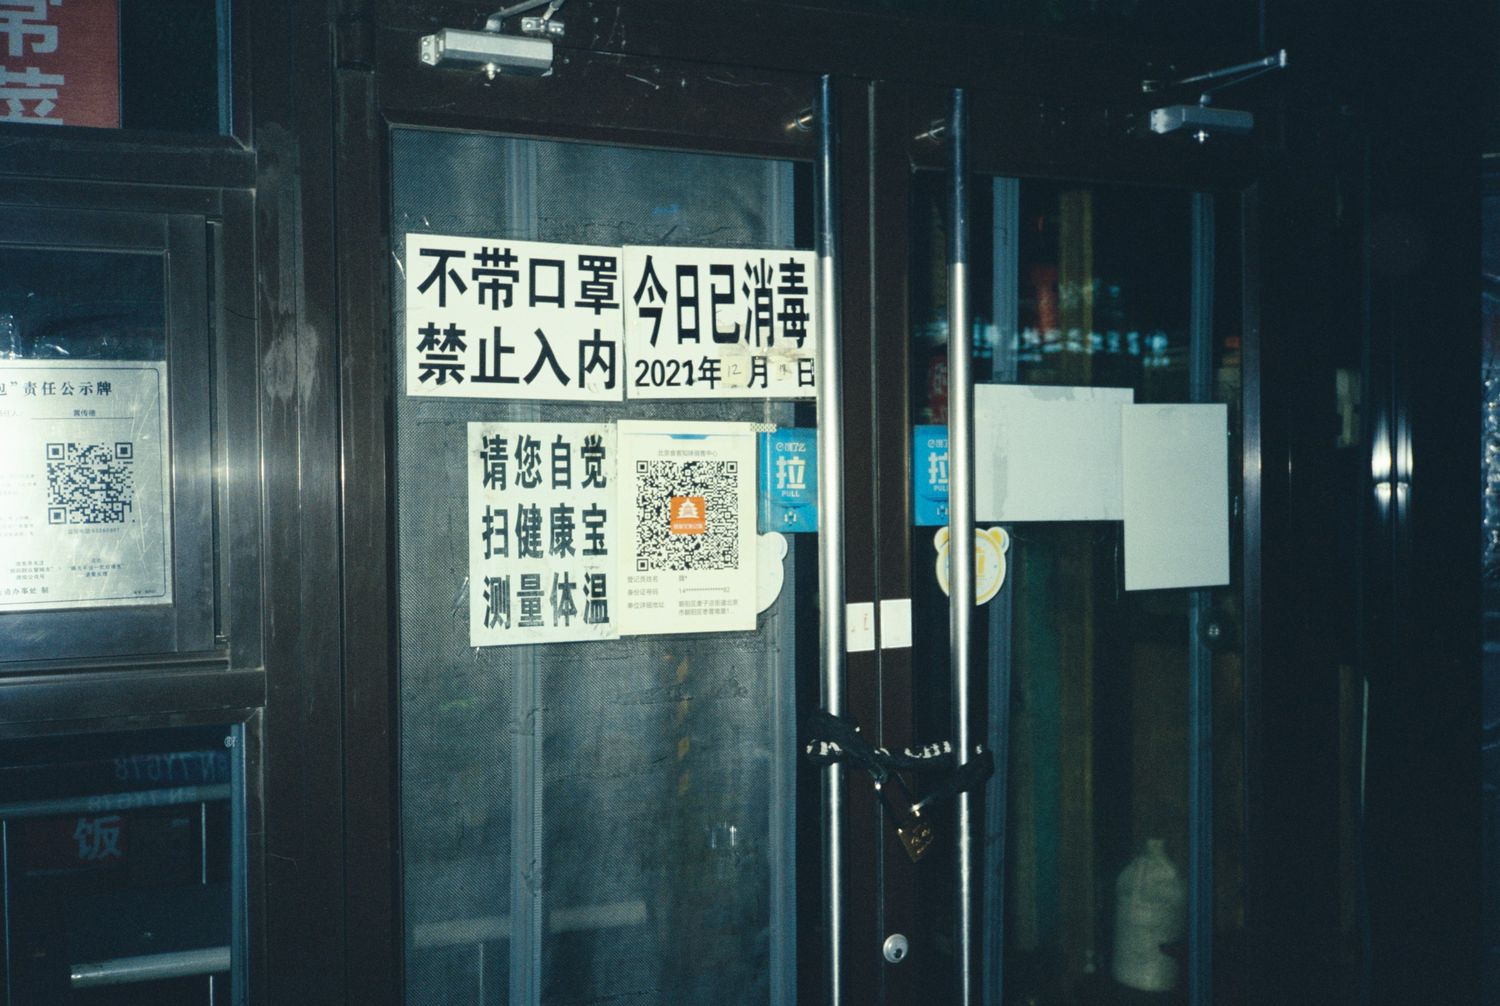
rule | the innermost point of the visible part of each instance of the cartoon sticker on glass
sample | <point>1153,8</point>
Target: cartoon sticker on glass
<point>990,546</point>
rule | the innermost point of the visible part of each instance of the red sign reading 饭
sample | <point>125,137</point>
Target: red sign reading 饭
<point>60,62</point>
<point>686,513</point>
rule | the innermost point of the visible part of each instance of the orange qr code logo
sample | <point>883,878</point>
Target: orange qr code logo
<point>687,514</point>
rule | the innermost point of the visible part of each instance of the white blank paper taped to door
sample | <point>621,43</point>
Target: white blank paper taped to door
<point>1047,453</point>
<point>1176,481</point>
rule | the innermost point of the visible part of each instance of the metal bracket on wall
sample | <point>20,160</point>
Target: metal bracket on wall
<point>541,25</point>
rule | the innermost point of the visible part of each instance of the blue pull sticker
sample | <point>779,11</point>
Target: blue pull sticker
<point>929,475</point>
<point>789,480</point>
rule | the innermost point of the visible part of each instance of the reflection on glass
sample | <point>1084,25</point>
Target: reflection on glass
<point>1093,290</point>
<point>1101,301</point>
<point>58,304</point>
<point>118,862</point>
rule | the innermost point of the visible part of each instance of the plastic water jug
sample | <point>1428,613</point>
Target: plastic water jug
<point>1150,910</point>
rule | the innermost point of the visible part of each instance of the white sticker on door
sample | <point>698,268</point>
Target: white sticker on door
<point>1176,477</point>
<point>1047,453</point>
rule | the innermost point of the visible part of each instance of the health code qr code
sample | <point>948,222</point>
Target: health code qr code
<point>90,483</point>
<point>663,540</point>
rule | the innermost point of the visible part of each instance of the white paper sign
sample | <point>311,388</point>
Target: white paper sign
<point>496,318</point>
<point>84,484</point>
<point>719,322</point>
<point>1044,453</point>
<point>859,626</point>
<point>895,623</point>
<point>542,554</point>
<point>687,550</point>
<point>1176,495</point>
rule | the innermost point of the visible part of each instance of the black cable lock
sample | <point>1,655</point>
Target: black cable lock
<point>838,739</point>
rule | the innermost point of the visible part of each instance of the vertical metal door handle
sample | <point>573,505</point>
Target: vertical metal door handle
<point>830,418</point>
<point>961,526</point>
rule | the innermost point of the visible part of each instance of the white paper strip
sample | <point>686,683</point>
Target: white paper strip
<point>895,623</point>
<point>687,505</point>
<point>1176,496</point>
<point>859,626</point>
<point>1047,453</point>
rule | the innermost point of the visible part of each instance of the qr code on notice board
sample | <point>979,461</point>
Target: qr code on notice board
<point>90,483</point>
<point>687,515</point>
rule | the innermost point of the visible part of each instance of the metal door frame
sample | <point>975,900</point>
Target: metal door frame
<point>709,108</point>
<point>608,89</point>
<point>1003,140</point>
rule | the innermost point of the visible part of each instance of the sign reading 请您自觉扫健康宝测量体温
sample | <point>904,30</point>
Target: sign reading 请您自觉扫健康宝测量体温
<point>85,502</point>
<point>541,533</point>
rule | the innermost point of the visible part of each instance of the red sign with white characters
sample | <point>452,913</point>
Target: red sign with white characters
<point>60,62</point>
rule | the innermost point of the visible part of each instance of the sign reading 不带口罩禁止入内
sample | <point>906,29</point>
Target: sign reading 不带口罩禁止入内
<point>84,494</point>
<point>688,549</point>
<point>541,533</point>
<point>720,323</point>
<point>60,62</point>
<point>789,480</point>
<point>496,318</point>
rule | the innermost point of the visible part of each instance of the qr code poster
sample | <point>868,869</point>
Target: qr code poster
<point>496,318</point>
<point>720,323</point>
<point>688,509</point>
<point>542,552</point>
<point>84,492</point>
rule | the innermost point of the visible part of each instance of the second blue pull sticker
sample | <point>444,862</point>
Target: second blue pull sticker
<point>929,475</point>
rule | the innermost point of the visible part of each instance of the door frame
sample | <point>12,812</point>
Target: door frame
<point>606,90</point>
<point>628,101</point>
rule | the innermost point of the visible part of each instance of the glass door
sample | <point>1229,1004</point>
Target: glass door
<point>604,812</point>
<point>635,561</point>
<point>602,358</point>
<point>1096,436</point>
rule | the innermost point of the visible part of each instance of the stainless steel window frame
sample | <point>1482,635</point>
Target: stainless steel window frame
<point>189,623</point>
